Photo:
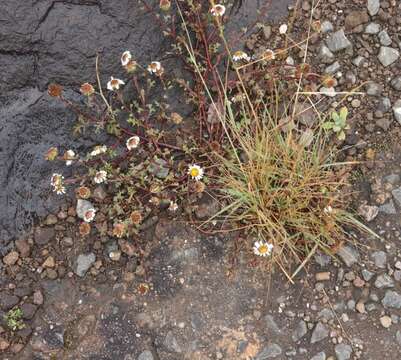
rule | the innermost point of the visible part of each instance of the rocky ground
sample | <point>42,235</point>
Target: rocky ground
<point>183,296</point>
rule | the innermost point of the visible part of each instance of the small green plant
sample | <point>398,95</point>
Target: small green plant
<point>338,123</point>
<point>14,319</point>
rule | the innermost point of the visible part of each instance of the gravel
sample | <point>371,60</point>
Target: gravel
<point>372,28</point>
<point>397,111</point>
<point>380,259</point>
<point>269,352</point>
<point>384,38</point>
<point>319,356</point>
<point>300,331</point>
<point>343,351</point>
<point>319,333</point>
<point>348,255</point>
<point>384,281</point>
<point>145,355</point>
<point>338,41</point>
<point>82,207</point>
<point>373,7</point>
<point>388,55</point>
<point>392,299</point>
<point>83,263</point>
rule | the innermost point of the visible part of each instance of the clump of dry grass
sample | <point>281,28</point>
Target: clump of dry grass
<point>278,178</point>
<point>285,193</point>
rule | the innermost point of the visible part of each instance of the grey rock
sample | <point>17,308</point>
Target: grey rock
<point>319,356</point>
<point>388,55</point>
<point>356,18</point>
<point>300,331</point>
<point>369,212</point>
<point>338,41</point>
<point>384,104</point>
<point>159,168</point>
<point>83,263</point>
<point>396,83</point>
<point>348,255</point>
<point>397,275</point>
<point>343,351</point>
<point>271,324</point>
<point>373,7</point>
<point>145,355</point>
<point>392,179</point>
<point>82,207</point>
<point>44,235</point>
<point>384,281</point>
<point>374,88</point>
<point>397,111</point>
<point>331,69</point>
<point>384,38</point>
<point>171,343</point>
<point>351,304</point>
<point>326,314</point>
<point>367,275</point>
<point>372,28</point>
<point>397,195</point>
<point>388,208</point>
<point>325,55</point>
<point>269,352</point>
<point>326,27</point>
<point>319,333</point>
<point>380,259</point>
<point>392,299</point>
<point>358,61</point>
<point>398,337</point>
<point>28,310</point>
<point>7,301</point>
<point>322,259</point>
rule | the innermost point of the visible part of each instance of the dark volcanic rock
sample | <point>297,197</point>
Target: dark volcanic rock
<point>57,41</point>
<point>42,42</point>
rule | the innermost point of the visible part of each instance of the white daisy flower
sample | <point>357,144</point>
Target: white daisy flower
<point>155,67</point>
<point>125,58</point>
<point>173,206</point>
<point>241,55</point>
<point>57,182</point>
<point>268,55</point>
<point>100,149</point>
<point>218,10</point>
<point>100,177</point>
<point>195,171</point>
<point>328,210</point>
<point>56,179</point>
<point>60,190</point>
<point>132,142</point>
<point>114,84</point>
<point>262,248</point>
<point>69,156</point>
<point>283,29</point>
<point>89,215</point>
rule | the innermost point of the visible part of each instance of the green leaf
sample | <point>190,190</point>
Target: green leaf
<point>343,113</point>
<point>327,125</point>
<point>335,116</point>
<point>341,135</point>
<point>337,128</point>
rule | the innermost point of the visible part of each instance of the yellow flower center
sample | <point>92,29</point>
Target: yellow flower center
<point>194,172</point>
<point>263,249</point>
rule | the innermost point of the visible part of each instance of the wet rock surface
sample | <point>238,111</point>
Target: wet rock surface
<point>57,41</point>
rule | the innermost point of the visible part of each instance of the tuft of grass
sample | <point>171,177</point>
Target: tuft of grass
<point>14,319</point>
<point>280,182</point>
